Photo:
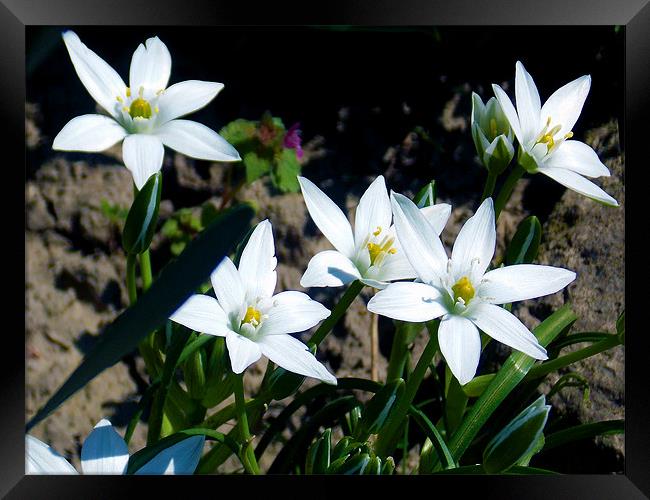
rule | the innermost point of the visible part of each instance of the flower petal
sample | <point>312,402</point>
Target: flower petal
<point>329,268</point>
<point>203,314</point>
<point>258,262</point>
<point>143,156</point>
<point>528,103</point>
<point>522,282</point>
<point>506,328</point>
<point>563,107</point>
<point>579,184</point>
<point>328,217</point>
<point>102,82</point>
<point>42,459</point>
<point>104,451</point>
<point>373,211</point>
<point>196,140</point>
<point>294,356</point>
<point>408,302</point>
<point>396,267</point>
<point>509,111</point>
<point>228,287</point>
<point>418,239</point>
<point>578,157</point>
<point>242,351</point>
<point>89,133</point>
<point>180,458</point>
<point>292,312</point>
<point>475,243</point>
<point>437,215</point>
<point>151,66</point>
<point>186,97</point>
<point>460,344</point>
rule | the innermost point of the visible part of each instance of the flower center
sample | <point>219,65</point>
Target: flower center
<point>140,108</point>
<point>378,251</point>
<point>252,316</point>
<point>463,289</point>
<point>547,135</point>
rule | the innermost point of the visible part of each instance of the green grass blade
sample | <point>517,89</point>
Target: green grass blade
<point>176,283</point>
<point>436,439</point>
<point>511,373</point>
<point>584,431</point>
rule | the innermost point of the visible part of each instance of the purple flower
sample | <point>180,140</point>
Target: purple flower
<point>292,139</point>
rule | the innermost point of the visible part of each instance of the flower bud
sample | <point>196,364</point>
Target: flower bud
<point>492,134</point>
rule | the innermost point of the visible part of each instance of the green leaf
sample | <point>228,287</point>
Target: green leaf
<point>318,456</point>
<point>507,378</point>
<point>524,245</point>
<point>444,455</point>
<point>239,131</point>
<point>176,282</point>
<point>194,374</point>
<point>517,439</point>
<point>140,224</point>
<point>286,172</point>
<point>353,465</point>
<point>388,467</point>
<point>378,409</point>
<point>373,467</point>
<point>256,166</point>
<point>620,327</point>
<point>478,469</point>
<point>426,196</point>
<point>584,431</point>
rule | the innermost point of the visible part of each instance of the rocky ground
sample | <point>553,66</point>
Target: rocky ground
<point>76,268</point>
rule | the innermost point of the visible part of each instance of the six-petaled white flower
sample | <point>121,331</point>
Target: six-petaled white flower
<point>144,114</point>
<point>251,318</point>
<point>372,254</point>
<point>460,291</point>
<point>544,134</point>
<point>105,452</point>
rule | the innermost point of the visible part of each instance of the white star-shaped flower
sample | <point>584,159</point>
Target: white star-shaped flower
<point>460,291</point>
<point>251,318</point>
<point>105,452</point>
<point>544,133</point>
<point>372,253</point>
<point>144,114</point>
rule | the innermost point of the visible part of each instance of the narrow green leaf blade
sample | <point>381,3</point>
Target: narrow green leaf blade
<point>524,245</point>
<point>140,224</point>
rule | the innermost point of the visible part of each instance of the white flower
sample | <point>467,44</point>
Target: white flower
<point>145,114</point>
<point>544,132</point>
<point>372,254</point>
<point>460,292</point>
<point>251,318</point>
<point>105,452</point>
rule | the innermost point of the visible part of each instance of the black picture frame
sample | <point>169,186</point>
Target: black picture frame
<point>15,15</point>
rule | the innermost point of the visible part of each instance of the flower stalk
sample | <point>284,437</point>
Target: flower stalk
<point>506,190</point>
<point>248,453</point>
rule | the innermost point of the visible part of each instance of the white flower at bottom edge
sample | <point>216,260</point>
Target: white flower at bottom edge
<point>251,318</point>
<point>460,292</point>
<point>372,254</point>
<point>105,452</point>
<point>145,114</point>
<point>544,131</point>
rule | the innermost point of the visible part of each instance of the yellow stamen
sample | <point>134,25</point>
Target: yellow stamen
<point>376,233</point>
<point>463,289</point>
<point>392,251</point>
<point>568,135</point>
<point>374,250</point>
<point>252,316</point>
<point>128,92</point>
<point>141,92</point>
<point>156,110</point>
<point>119,99</point>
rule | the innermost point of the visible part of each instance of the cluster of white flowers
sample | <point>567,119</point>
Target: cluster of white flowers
<point>394,246</point>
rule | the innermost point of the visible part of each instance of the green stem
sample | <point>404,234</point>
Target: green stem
<point>350,294</point>
<point>388,435</point>
<point>506,190</point>
<point>398,354</point>
<point>130,278</point>
<point>248,453</point>
<point>563,361</point>
<point>145,269</point>
<point>490,182</point>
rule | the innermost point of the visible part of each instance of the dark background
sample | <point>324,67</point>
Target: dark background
<point>312,75</point>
